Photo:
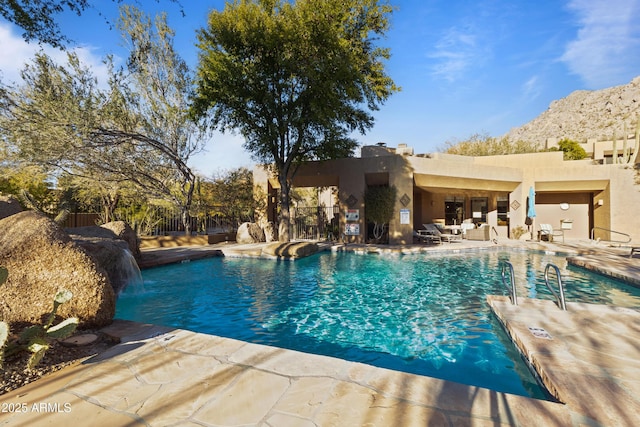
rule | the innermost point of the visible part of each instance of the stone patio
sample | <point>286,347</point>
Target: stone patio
<point>160,376</point>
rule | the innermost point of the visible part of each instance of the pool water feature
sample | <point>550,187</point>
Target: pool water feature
<point>424,314</point>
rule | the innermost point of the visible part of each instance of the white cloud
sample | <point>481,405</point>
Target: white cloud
<point>605,50</point>
<point>531,89</point>
<point>455,53</point>
<point>16,53</point>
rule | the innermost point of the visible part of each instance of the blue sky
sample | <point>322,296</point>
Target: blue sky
<point>465,66</point>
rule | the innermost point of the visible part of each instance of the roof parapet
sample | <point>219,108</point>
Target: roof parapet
<point>381,149</point>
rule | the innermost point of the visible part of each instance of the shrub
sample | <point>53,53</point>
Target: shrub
<point>517,232</point>
<point>572,149</point>
<point>380,204</point>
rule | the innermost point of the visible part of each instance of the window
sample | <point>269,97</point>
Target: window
<point>479,209</point>
<point>503,210</point>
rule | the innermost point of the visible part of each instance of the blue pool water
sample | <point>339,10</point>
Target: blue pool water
<point>424,314</point>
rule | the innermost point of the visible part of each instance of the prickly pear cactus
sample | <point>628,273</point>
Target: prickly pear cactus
<point>39,336</point>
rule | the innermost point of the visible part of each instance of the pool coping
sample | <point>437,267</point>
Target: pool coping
<point>165,376</point>
<point>148,379</point>
<point>587,356</point>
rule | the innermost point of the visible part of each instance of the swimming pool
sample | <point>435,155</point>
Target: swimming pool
<point>424,314</point>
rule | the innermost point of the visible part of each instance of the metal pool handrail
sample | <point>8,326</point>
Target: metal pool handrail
<point>559,296</point>
<point>512,289</point>
<point>593,230</point>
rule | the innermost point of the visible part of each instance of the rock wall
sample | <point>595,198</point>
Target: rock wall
<point>585,115</point>
<point>116,230</point>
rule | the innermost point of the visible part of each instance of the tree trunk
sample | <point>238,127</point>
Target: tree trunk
<point>109,205</point>
<point>285,214</point>
<point>186,220</point>
<point>190,184</point>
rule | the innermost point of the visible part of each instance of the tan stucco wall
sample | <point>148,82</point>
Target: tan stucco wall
<point>427,180</point>
<point>624,197</point>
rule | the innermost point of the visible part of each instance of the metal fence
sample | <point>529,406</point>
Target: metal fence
<point>315,223</point>
<point>161,221</point>
<point>78,219</point>
<point>307,222</point>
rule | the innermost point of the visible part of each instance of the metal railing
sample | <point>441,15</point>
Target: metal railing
<point>494,232</point>
<point>512,287</point>
<point>559,295</point>
<point>593,237</point>
<point>315,222</point>
<point>158,220</point>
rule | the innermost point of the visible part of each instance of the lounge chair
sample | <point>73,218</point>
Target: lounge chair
<point>547,232</point>
<point>435,230</point>
<point>425,236</point>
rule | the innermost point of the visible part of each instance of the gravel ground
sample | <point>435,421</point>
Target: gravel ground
<point>15,374</point>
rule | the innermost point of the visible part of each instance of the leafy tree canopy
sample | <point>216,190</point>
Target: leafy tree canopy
<point>294,78</point>
<point>37,18</point>
<point>485,145</point>
<point>380,205</point>
<point>572,149</point>
<point>138,130</point>
<point>232,192</point>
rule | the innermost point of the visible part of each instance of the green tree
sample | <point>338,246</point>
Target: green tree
<point>17,178</point>
<point>486,145</point>
<point>37,18</point>
<point>294,78</point>
<point>137,131</point>
<point>572,149</point>
<point>162,91</point>
<point>232,193</point>
<point>379,203</point>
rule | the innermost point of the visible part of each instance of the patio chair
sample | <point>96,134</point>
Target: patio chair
<point>436,231</point>
<point>547,232</point>
<point>426,237</point>
<point>481,233</point>
<point>466,226</point>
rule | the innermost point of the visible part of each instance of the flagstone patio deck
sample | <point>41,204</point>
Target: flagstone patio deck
<point>160,376</point>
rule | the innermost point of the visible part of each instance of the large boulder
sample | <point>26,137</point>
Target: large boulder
<point>42,259</point>
<point>270,234</point>
<point>250,232</point>
<point>123,231</point>
<point>114,256</point>
<point>112,230</point>
<point>113,246</point>
<point>9,206</point>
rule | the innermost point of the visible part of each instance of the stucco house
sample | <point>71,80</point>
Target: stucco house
<point>583,198</point>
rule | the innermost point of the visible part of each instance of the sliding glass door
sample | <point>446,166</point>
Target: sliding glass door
<point>453,210</point>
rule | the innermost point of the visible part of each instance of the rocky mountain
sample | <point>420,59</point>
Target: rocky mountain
<point>586,115</point>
